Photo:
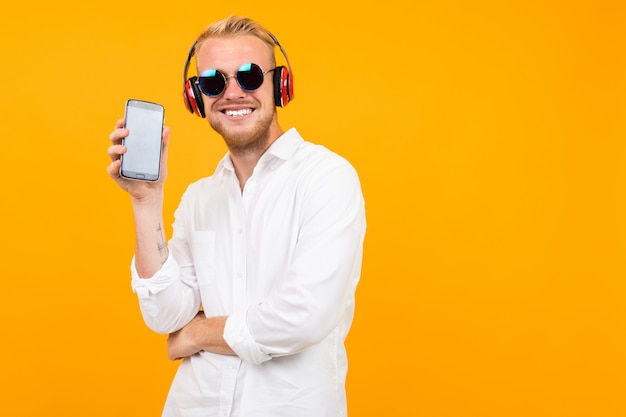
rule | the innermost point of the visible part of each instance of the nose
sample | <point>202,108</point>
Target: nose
<point>233,89</point>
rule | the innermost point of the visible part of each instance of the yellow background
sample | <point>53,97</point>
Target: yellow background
<point>489,137</point>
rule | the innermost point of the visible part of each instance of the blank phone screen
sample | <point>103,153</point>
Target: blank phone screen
<point>144,122</point>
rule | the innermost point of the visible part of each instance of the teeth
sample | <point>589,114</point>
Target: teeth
<point>238,113</point>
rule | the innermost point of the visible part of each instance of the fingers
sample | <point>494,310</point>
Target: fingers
<point>116,150</point>
<point>119,133</point>
<point>114,169</point>
<point>173,346</point>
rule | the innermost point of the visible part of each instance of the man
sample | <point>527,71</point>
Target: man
<point>256,286</point>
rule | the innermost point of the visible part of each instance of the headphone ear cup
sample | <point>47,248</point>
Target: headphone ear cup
<point>193,97</point>
<point>290,84</point>
<point>283,90</point>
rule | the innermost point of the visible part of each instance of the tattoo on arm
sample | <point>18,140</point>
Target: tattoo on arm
<point>162,244</point>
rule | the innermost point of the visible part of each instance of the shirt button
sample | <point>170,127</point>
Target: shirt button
<point>239,275</point>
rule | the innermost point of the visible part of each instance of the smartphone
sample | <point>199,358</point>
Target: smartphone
<point>144,121</point>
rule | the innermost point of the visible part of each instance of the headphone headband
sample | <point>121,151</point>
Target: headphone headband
<point>282,80</point>
<point>188,100</point>
<point>281,50</point>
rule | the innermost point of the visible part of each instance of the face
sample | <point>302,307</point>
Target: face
<point>245,119</point>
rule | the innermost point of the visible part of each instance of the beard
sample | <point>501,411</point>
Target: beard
<point>242,141</point>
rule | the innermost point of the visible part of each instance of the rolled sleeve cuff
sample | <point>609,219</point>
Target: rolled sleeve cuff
<point>164,277</point>
<point>238,337</point>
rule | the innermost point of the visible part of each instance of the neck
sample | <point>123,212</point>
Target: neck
<point>244,166</point>
<point>245,159</point>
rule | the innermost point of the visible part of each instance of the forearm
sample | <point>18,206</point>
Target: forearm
<point>210,335</point>
<point>201,334</point>
<point>151,250</point>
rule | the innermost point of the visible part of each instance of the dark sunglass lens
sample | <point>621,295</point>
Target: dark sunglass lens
<point>250,77</point>
<point>211,82</point>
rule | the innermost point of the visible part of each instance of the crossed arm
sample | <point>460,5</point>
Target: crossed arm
<point>200,334</point>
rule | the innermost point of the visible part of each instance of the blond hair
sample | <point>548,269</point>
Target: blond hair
<point>236,26</point>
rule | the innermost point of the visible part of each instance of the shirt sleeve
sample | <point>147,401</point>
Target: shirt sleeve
<point>238,337</point>
<point>144,288</point>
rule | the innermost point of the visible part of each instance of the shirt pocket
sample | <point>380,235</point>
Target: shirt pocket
<point>202,244</point>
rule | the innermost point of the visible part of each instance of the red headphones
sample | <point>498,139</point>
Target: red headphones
<point>282,79</point>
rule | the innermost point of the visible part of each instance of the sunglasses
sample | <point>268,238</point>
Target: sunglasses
<point>250,76</point>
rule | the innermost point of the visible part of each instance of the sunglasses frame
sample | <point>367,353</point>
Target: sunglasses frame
<point>236,76</point>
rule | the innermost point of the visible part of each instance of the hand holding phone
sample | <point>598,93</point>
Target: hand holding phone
<point>142,160</point>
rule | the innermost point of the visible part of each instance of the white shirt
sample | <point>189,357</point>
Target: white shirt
<point>282,259</point>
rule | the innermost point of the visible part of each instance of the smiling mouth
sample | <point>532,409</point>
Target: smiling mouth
<point>237,113</point>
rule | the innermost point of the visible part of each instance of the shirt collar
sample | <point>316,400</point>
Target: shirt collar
<point>285,146</point>
<point>282,148</point>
